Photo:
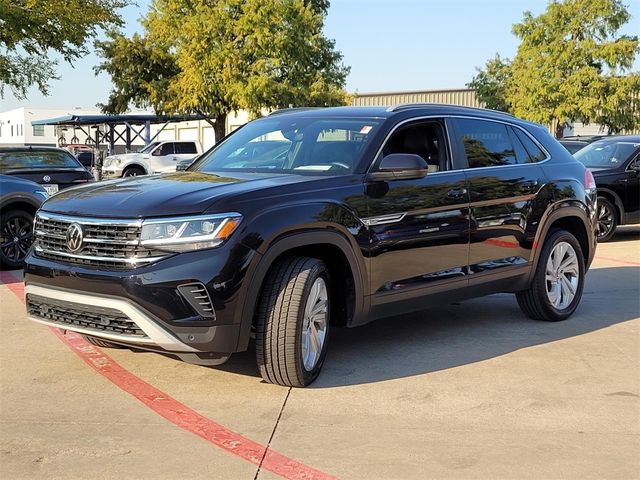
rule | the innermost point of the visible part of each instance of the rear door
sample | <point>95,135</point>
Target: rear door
<point>504,179</point>
<point>632,190</point>
<point>419,228</point>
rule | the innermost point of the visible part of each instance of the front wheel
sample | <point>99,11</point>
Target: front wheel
<point>557,285</point>
<point>292,325</point>
<point>16,237</point>
<point>133,172</point>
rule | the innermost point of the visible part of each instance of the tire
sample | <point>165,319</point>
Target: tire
<point>133,172</point>
<point>16,237</point>
<point>287,350</point>
<point>101,343</point>
<point>607,219</point>
<point>549,296</point>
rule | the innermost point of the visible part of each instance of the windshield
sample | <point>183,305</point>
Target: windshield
<point>330,146</point>
<point>606,153</point>
<point>149,147</point>
<point>37,159</point>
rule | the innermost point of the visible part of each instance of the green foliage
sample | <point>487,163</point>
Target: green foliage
<point>571,65</point>
<point>489,83</point>
<point>30,29</point>
<point>224,56</point>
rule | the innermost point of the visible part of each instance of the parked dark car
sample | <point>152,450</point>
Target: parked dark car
<point>368,213</point>
<point>53,168</point>
<point>573,146</point>
<point>615,163</point>
<point>19,201</point>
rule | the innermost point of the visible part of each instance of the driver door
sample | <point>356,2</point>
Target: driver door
<point>163,158</point>
<point>419,228</point>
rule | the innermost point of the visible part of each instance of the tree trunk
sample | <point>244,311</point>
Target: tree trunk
<point>220,126</point>
<point>559,129</point>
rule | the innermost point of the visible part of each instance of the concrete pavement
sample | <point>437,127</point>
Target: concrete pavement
<point>472,390</point>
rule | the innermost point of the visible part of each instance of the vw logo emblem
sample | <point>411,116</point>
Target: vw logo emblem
<point>74,237</point>
<point>46,178</point>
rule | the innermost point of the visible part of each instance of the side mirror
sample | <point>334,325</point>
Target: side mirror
<point>399,166</point>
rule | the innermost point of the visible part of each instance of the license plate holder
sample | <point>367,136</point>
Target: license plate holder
<point>51,188</point>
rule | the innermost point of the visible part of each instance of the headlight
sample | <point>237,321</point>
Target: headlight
<point>181,234</point>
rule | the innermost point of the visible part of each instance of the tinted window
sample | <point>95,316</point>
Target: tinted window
<point>486,144</point>
<point>166,149</point>
<point>534,151</point>
<point>35,159</point>
<point>606,153</point>
<point>186,147</point>
<point>292,145</point>
<point>424,139</point>
<point>149,147</point>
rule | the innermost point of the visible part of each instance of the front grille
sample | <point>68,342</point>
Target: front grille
<point>70,314</point>
<point>112,244</point>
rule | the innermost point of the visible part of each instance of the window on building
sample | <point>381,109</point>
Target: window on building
<point>38,130</point>
<point>486,144</point>
<point>12,130</point>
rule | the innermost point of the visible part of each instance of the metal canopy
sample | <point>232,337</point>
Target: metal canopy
<point>110,135</point>
<point>133,119</point>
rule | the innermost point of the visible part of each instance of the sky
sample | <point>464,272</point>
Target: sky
<point>390,45</point>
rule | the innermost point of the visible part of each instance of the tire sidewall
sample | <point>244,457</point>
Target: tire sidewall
<point>318,270</point>
<point>554,239</point>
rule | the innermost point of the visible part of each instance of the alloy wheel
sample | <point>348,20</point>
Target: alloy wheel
<point>605,220</point>
<point>314,325</point>
<point>17,237</point>
<point>562,275</point>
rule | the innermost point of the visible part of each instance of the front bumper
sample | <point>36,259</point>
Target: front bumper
<point>150,298</point>
<point>111,172</point>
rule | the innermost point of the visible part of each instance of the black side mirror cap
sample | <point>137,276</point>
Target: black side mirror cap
<point>399,166</point>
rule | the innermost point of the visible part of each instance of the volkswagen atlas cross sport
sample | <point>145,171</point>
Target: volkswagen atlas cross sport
<point>310,219</point>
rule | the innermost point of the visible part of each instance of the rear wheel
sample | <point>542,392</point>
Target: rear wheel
<point>101,343</point>
<point>557,286</point>
<point>607,219</point>
<point>16,237</point>
<point>292,326</point>
<point>133,172</point>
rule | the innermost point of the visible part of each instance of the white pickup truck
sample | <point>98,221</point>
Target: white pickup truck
<point>157,157</point>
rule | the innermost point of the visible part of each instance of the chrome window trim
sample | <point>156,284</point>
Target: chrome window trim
<point>447,133</point>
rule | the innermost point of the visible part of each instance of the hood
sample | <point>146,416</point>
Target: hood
<point>179,193</point>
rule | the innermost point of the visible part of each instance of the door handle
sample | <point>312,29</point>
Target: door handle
<point>457,192</point>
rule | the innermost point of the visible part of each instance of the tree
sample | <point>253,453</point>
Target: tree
<point>490,83</point>
<point>30,29</point>
<point>218,57</point>
<point>571,65</point>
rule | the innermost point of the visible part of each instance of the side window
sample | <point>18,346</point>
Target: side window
<point>486,143</point>
<point>167,149</point>
<point>424,139</point>
<point>534,151</point>
<point>186,147</point>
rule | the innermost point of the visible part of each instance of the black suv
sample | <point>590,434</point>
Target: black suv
<point>310,219</point>
<point>615,163</point>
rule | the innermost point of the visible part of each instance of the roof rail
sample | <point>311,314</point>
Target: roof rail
<point>291,110</point>
<point>408,106</point>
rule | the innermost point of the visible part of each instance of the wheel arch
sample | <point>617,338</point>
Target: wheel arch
<point>134,164</point>
<point>331,247</point>
<point>573,218</point>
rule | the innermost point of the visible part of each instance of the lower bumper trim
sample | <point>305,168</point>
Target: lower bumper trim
<point>156,334</point>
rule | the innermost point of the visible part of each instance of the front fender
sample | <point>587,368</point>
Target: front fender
<point>284,228</point>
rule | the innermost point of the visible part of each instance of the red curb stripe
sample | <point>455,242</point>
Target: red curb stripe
<point>616,260</point>
<point>175,411</point>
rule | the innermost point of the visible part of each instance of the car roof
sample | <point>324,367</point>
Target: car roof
<point>419,109</point>
<point>620,138</point>
<point>32,149</point>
